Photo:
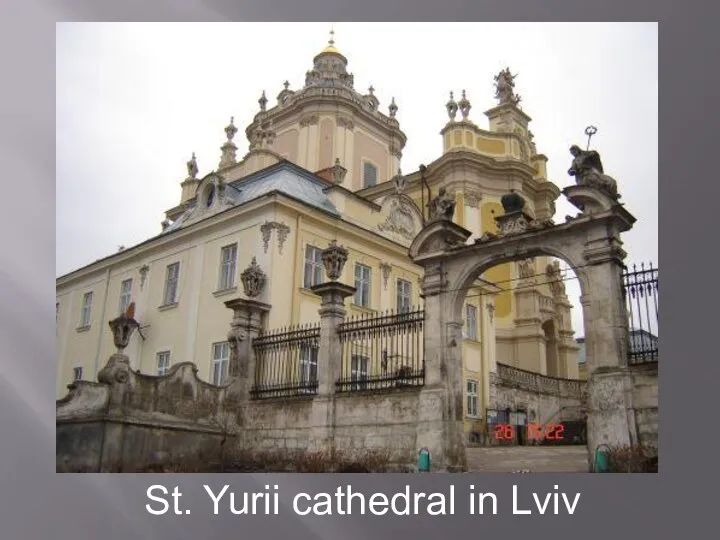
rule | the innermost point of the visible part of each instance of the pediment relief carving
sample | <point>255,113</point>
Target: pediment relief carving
<point>400,218</point>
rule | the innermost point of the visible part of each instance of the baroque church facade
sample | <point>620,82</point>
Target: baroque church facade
<point>323,164</point>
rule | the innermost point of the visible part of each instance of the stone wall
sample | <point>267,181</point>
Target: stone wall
<point>645,404</point>
<point>547,399</point>
<point>132,421</point>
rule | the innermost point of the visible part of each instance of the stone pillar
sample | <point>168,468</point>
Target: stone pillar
<point>332,314</point>
<point>440,426</point>
<point>606,339</point>
<point>247,322</point>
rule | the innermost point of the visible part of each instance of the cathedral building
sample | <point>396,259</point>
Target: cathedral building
<point>324,163</point>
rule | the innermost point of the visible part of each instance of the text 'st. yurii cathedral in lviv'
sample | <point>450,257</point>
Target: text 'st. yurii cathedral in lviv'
<point>324,164</point>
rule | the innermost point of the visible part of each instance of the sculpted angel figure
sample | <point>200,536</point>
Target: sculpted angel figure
<point>588,170</point>
<point>442,206</point>
<point>505,87</point>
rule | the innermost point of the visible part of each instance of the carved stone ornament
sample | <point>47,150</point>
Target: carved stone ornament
<point>587,169</point>
<point>400,220</point>
<point>385,268</point>
<point>555,279</point>
<point>123,327</point>
<point>515,220</point>
<point>192,167</point>
<point>282,232</point>
<point>505,87</point>
<point>334,257</point>
<point>442,207</point>
<point>266,231</point>
<point>338,172</point>
<point>346,122</point>
<point>309,121</point>
<point>144,269</point>
<point>472,199</point>
<point>253,279</point>
<point>526,269</point>
<point>452,108</point>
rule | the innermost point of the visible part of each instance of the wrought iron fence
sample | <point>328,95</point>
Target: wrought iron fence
<point>640,290</point>
<point>382,351</point>
<point>286,362</point>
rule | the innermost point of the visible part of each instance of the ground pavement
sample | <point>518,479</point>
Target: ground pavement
<point>533,458</point>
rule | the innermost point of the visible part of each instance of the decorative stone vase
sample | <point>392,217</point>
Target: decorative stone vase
<point>334,258</point>
<point>512,202</point>
<point>253,279</point>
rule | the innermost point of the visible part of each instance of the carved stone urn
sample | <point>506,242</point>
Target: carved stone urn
<point>253,279</point>
<point>334,258</point>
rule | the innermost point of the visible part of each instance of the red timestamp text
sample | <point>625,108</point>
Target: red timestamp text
<point>535,431</point>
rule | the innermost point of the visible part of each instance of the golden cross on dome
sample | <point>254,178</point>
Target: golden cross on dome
<point>331,41</point>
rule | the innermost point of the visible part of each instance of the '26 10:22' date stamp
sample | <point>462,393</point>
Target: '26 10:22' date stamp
<point>535,432</point>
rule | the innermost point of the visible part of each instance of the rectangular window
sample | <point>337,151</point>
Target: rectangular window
<point>362,285</point>
<point>221,362</point>
<point>228,260</point>
<point>57,311</point>
<point>314,268</point>
<point>471,321</point>
<point>472,398</point>
<point>172,274</point>
<point>125,295</point>
<point>359,371</point>
<point>77,373</point>
<point>369,174</point>
<point>404,295</point>
<point>308,365</point>
<point>86,311</point>
<point>163,362</point>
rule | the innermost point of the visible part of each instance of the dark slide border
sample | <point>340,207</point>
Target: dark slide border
<point>37,503</point>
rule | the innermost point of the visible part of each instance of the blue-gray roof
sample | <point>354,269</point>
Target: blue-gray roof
<point>283,177</point>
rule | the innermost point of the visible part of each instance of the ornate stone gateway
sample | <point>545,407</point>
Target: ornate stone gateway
<point>590,243</point>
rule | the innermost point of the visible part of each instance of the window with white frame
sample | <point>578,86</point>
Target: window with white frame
<point>221,362</point>
<point>163,362</point>
<point>172,276</point>
<point>362,285</point>
<point>308,365</point>
<point>125,295</point>
<point>86,311</point>
<point>472,398</point>
<point>404,295</point>
<point>358,371</point>
<point>314,268</point>
<point>77,373</point>
<point>369,174</point>
<point>228,261</point>
<point>471,322</point>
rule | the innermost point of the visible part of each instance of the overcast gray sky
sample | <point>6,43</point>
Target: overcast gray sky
<point>134,100</point>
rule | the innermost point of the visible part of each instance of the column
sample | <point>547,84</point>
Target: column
<point>440,426</point>
<point>332,314</point>
<point>606,339</point>
<point>246,324</point>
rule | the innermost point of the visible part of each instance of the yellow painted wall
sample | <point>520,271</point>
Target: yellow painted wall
<point>501,274</point>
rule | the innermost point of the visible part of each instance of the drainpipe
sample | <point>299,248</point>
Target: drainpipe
<point>102,320</point>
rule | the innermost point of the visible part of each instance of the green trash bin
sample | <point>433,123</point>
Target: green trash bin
<point>602,459</point>
<point>424,460</point>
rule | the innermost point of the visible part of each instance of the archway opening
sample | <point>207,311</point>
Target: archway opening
<point>520,322</point>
